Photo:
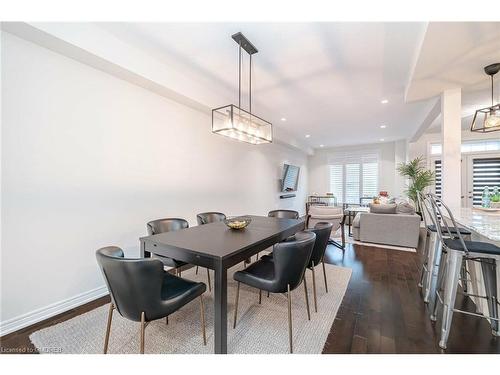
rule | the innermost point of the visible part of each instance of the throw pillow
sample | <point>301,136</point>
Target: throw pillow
<point>383,208</point>
<point>405,208</point>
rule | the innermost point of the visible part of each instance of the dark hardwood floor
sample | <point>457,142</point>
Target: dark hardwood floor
<point>382,311</point>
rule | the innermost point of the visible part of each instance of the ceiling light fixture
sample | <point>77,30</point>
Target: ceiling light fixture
<point>321,145</point>
<point>308,135</point>
<point>283,119</point>
<point>488,119</point>
<point>384,101</point>
<point>235,122</point>
<point>382,139</point>
<point>383,126</point>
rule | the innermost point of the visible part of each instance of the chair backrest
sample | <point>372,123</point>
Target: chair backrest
<point>291,258</point>
<point>424,210</point>
<point>166,225</point>
<point>134,284</point>
<point>322,231</point>
<point>284,214</point>
<point>437,214</point>
<point>210,217</point>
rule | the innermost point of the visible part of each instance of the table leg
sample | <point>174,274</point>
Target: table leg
<point>220,307</point>
<point>144,253</point>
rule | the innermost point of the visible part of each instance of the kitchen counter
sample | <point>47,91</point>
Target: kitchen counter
<point>486,224</point>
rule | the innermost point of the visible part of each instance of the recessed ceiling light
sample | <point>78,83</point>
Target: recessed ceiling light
<point>381,139</point>
<point>383,126</point>
<point>321,145</point>
<point>283,119</point>
<point>384,101</point>
<point>308,135</point>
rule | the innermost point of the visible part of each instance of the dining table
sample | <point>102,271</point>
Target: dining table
<point>217,247</point>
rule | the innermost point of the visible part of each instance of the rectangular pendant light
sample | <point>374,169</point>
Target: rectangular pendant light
<point>235,122</point>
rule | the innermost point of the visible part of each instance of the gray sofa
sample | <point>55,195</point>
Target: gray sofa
<point>397,229</point>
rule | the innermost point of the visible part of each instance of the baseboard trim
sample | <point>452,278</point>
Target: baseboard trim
<point>35,316</point>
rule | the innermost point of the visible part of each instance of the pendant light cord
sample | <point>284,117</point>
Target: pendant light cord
<point>492,90</point>
<point>250,91</point>
<point>239,77</point>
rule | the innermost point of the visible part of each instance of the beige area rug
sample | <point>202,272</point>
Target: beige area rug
<point>261,329</point>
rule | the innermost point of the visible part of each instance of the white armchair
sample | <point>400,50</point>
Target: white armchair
<point>330,214</point>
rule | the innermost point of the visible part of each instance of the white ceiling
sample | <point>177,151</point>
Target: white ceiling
<point>327,79</point>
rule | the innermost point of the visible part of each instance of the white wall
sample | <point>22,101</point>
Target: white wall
<point>88,159</point>
<point>388,179</point>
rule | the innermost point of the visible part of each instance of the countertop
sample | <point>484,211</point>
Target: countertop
<point>484,223</point>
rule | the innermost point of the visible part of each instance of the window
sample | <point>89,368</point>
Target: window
<point>470,146</point>
<point>485,172</point>
<point>354,175</point>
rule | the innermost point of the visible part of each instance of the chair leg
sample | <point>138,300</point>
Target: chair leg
<point>257,258</point>
<point>208,278</point>
<point>463,274</point>
<point>289,297</point>
<point>489,269</point>
<point>450,294</point>
<point>143,326</point>
<point>196,272</point>
<point>166,320</point>
<point>267,294</point>
<point>314,289</point>
<point>307,299</point>
<point>236,305</point>
<point>202,315</point>
<point>441,277</point>
<point>324,275</point>
<point>108,327</point>
<point>260,296</point>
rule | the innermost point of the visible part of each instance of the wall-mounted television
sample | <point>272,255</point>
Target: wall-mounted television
<point>290,178</point>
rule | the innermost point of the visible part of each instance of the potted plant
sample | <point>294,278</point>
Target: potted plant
<point>419,178</point>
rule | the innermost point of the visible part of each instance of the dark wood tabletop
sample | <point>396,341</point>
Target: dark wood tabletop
<point>218,247</point>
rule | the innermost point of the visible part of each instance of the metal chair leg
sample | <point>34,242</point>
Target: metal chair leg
<point>260,296</point>
<point>314,289</point>
<point>489,270</point>
<point>196,272</point>
<point>450,293</point>
<point>267,294</point>
<point>236,304</point>
<point>289,297</point>
<point>307,299</point>
<point>441,273</point>
<point>463,274</point>
<point>324,274</point>
<point>202,313</point>
<point>108,327</point>
<point>142,331</point>
<point>208,278</point>
<point>166,320</point>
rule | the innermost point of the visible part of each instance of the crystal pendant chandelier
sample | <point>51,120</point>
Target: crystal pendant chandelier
<point>235,122</point>
<point>488,119</point>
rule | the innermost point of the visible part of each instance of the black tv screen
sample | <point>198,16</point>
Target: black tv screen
<point>290,178</point>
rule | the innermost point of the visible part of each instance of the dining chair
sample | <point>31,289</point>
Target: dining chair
<point>455,250</point>
<point>170,225</point>
<point>142,291</point>
<point>283,214</point>
<point>323,231</point>
<point>282,275</point>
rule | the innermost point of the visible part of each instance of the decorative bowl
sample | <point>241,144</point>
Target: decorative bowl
<point>238,222</point>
